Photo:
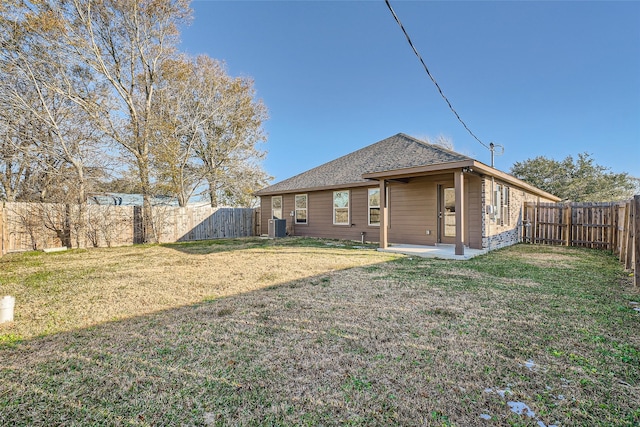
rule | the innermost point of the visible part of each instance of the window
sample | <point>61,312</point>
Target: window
<point>374,206</point>
<point>276,207</point>
<point>506,218</point>
<point>501,198</point>
<point>497,203</point>
<point>341,207</point>
<point>449,211</point>
<point>301,208</point>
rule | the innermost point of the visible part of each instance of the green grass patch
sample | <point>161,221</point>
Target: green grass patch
<point>9,340</point>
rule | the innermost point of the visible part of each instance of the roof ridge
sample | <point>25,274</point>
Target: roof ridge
<point>395,152</point>
<point>432,145</point>
<point>341,157</point>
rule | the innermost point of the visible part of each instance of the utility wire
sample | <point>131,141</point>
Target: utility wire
<point>431,77</point>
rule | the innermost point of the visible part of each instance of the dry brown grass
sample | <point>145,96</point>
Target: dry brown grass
<point>400,342</point>
<point>543,259</point>
<point>85,288</point>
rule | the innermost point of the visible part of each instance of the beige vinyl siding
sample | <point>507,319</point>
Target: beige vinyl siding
<point>265,213</point>
<point>320,217</point>
<point>359,208</point>
<point>413,211</point>
<point>473,211</point>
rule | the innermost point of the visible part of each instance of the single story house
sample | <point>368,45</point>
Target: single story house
<point>403,191</point>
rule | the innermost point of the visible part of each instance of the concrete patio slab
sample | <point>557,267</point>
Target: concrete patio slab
<point>441,251</point>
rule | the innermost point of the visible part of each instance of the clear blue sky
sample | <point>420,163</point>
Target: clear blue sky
<point>540,78</point>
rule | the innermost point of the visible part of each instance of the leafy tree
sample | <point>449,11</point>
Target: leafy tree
<point>208,128</point>
<point>177,120</point>
<point>576,180</point>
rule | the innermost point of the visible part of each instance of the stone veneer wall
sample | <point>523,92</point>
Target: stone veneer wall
<point>495,235</point>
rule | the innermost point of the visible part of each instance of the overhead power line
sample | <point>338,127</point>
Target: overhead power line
<point>431,77</point>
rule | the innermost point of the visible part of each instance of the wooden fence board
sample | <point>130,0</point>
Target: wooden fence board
<point>636,239</point>
<point>624,236</point>
<point>629,236</point>
<point>29,226</point>
<point>607,226</point>
<point>4,243</point>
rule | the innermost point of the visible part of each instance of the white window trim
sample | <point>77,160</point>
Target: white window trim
<point>305,209</point>
<point>281,207</point>
<point>369,206</point>
<point>506,196</point>
<point>333,202</point>
<point>502,195</point>
<point>497,203</point>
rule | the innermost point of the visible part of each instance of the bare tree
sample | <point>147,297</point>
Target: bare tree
<point>44,85</point>
<point>120,44</point>
<point>87,72</point>
<point>16,125</point>
<point>128,41</point>
<point>16,164</point>
<point>440,140</point>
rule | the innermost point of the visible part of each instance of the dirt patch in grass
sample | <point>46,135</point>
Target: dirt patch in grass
<point>553,256</point>
<point>400,342</point>
<point>543,259</point>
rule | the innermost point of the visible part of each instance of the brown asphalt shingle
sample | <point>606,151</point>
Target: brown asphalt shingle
<point>396,152</point>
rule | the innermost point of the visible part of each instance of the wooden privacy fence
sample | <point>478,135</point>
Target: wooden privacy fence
<point>611,226</point>
<point>33,226</point>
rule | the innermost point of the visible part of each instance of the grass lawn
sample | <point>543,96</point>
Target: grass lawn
<point>310,332</point>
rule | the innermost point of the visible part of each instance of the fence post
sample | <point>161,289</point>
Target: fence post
<point>567,221</point>
<point>614,228</point>
<point>257,222</point>
<point>2,230</point>
<point>630,225</point>
<point>636,240</point>
<point>536,211</point>
<point>625,234</point>
<point>525,222</point>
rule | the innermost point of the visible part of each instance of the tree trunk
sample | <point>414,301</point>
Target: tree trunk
<point>212,193</point>
<point>148,234</point>
<point>182,199</point>
<point>66,231</point>
<point>82,207</point>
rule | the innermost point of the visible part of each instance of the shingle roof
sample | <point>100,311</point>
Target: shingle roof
<point>396,152</point>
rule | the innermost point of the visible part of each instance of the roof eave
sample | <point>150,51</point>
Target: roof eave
<point>418,170</point>
<point>474,165</point>
<point>488,170</point>
<point>267,192</point>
